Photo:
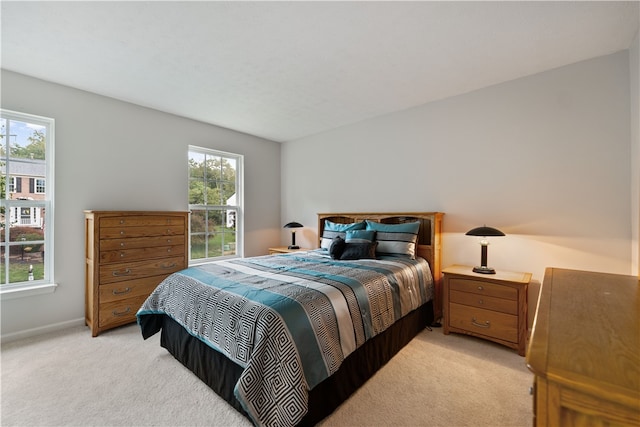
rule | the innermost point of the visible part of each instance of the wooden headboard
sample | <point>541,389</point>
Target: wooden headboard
<point>429,238</point>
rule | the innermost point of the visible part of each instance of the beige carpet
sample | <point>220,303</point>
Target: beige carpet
<point>117,379</point>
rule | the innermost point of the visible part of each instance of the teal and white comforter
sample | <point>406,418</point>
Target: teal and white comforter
<point>289,320</point>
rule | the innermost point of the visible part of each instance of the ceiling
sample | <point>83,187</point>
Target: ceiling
<point>285,70</point>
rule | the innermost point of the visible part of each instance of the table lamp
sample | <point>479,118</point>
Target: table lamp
<point>484,232</point>
<point>293,226</point>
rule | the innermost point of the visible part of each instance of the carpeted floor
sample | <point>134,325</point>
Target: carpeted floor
<point>118,379</point>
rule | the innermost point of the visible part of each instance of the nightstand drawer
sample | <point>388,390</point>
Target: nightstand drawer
<point>483,288</point>
<point>484,301</point>
<point>484,322</point>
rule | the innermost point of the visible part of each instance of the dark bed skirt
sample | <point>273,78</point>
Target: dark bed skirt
<point>221,374</point>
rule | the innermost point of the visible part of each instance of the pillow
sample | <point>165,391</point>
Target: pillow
<point>396,239</point>
<point>360,236</point>
<point>333,229</point>
<point>337,247</point>
<point>359,251</point>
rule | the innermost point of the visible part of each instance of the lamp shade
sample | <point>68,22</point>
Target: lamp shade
<point>485,231</point>
<point>293,225</point>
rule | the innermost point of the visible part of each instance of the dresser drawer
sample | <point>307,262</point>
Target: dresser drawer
<point>139,254</point>
<point>127,232</point>
<point>484,301</point>
<point>484,322</point>
<point>128,289</point>
<point>120,312</point>
<point>141,221</point>
<point>140,242</point>
<point>121,272</point>
<point>483,288</point>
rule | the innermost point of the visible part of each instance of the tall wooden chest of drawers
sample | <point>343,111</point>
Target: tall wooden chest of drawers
<point>489,306</point>
<point>585,350</point>
<point>128,253</point>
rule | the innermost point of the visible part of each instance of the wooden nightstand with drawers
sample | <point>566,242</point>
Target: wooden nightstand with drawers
<point>285,250</point>
<point>489,306</point>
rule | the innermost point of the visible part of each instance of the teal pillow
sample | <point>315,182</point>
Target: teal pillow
<point>333,229</point>
<point>360,236</point>
<point>396,239</point>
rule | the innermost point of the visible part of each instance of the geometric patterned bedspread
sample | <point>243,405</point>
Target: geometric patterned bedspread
<point>289,320</point>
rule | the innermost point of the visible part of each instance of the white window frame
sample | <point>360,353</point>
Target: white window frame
<point>238,207</point>
<point>45,285</point>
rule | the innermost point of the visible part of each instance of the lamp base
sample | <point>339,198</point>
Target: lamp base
<point>293,247</point>
<point>484,270</point>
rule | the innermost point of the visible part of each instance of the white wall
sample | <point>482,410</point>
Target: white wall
<point>114,155</point>
<point>543,158</point>
<point>634,78</point>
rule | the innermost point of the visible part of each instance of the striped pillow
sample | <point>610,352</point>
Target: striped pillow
<point>333,229</point>
<point>396,239</point>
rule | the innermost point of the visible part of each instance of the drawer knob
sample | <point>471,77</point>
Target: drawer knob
<point>121,313</point>
<point>122,233</point>
<point>480,302</point>
<point>480,288</point>
<point>124,291</point>
<point>475,322</point>
<point>122,221</point>
<point>121,254</point>
<point>122,244</point>
<point>169,250</point>
<point>168,240</point>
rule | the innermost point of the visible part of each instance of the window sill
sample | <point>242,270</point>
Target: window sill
<point>27,291</point>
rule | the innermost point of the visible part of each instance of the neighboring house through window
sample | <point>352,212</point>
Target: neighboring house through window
<point>215,201</point>
<point>26,201</point>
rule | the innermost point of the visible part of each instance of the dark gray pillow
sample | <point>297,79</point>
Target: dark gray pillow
<point>359,251</point>
<point>337,247</point>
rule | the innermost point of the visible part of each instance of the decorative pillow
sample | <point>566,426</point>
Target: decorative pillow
<point>333,229</point>
<point>336,248</point>
<point>396,239</point>
<point>360,236</point>
<point>359,251</point>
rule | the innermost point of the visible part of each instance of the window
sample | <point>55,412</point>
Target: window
<point>26,206</point>
<point>215,201</point>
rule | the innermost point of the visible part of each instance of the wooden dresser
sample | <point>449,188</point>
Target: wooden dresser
<point>585,350</point>
<point>128,253</point>
<point>489,306</point>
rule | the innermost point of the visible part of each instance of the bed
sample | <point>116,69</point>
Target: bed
<point>286,338</point>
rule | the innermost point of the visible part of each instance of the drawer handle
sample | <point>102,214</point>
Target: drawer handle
<point>486,324</point>
<point>122,244</point>
<point>168,240</point>
<point>480,288</point>
<point>173,264</point>
<point>121,254</point>
<point>122,221</point>
<point>123,273</point>
<point>480,302</point>
<point>169,250</point>
<point>122,233</point>
<point>125,291</point>
<point>122,313</point>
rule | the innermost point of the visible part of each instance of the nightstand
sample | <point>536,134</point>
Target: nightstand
<point>285,250</point>
<point>489,306</point>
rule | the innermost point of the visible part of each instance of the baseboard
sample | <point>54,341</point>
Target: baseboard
<point>14,336</point>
